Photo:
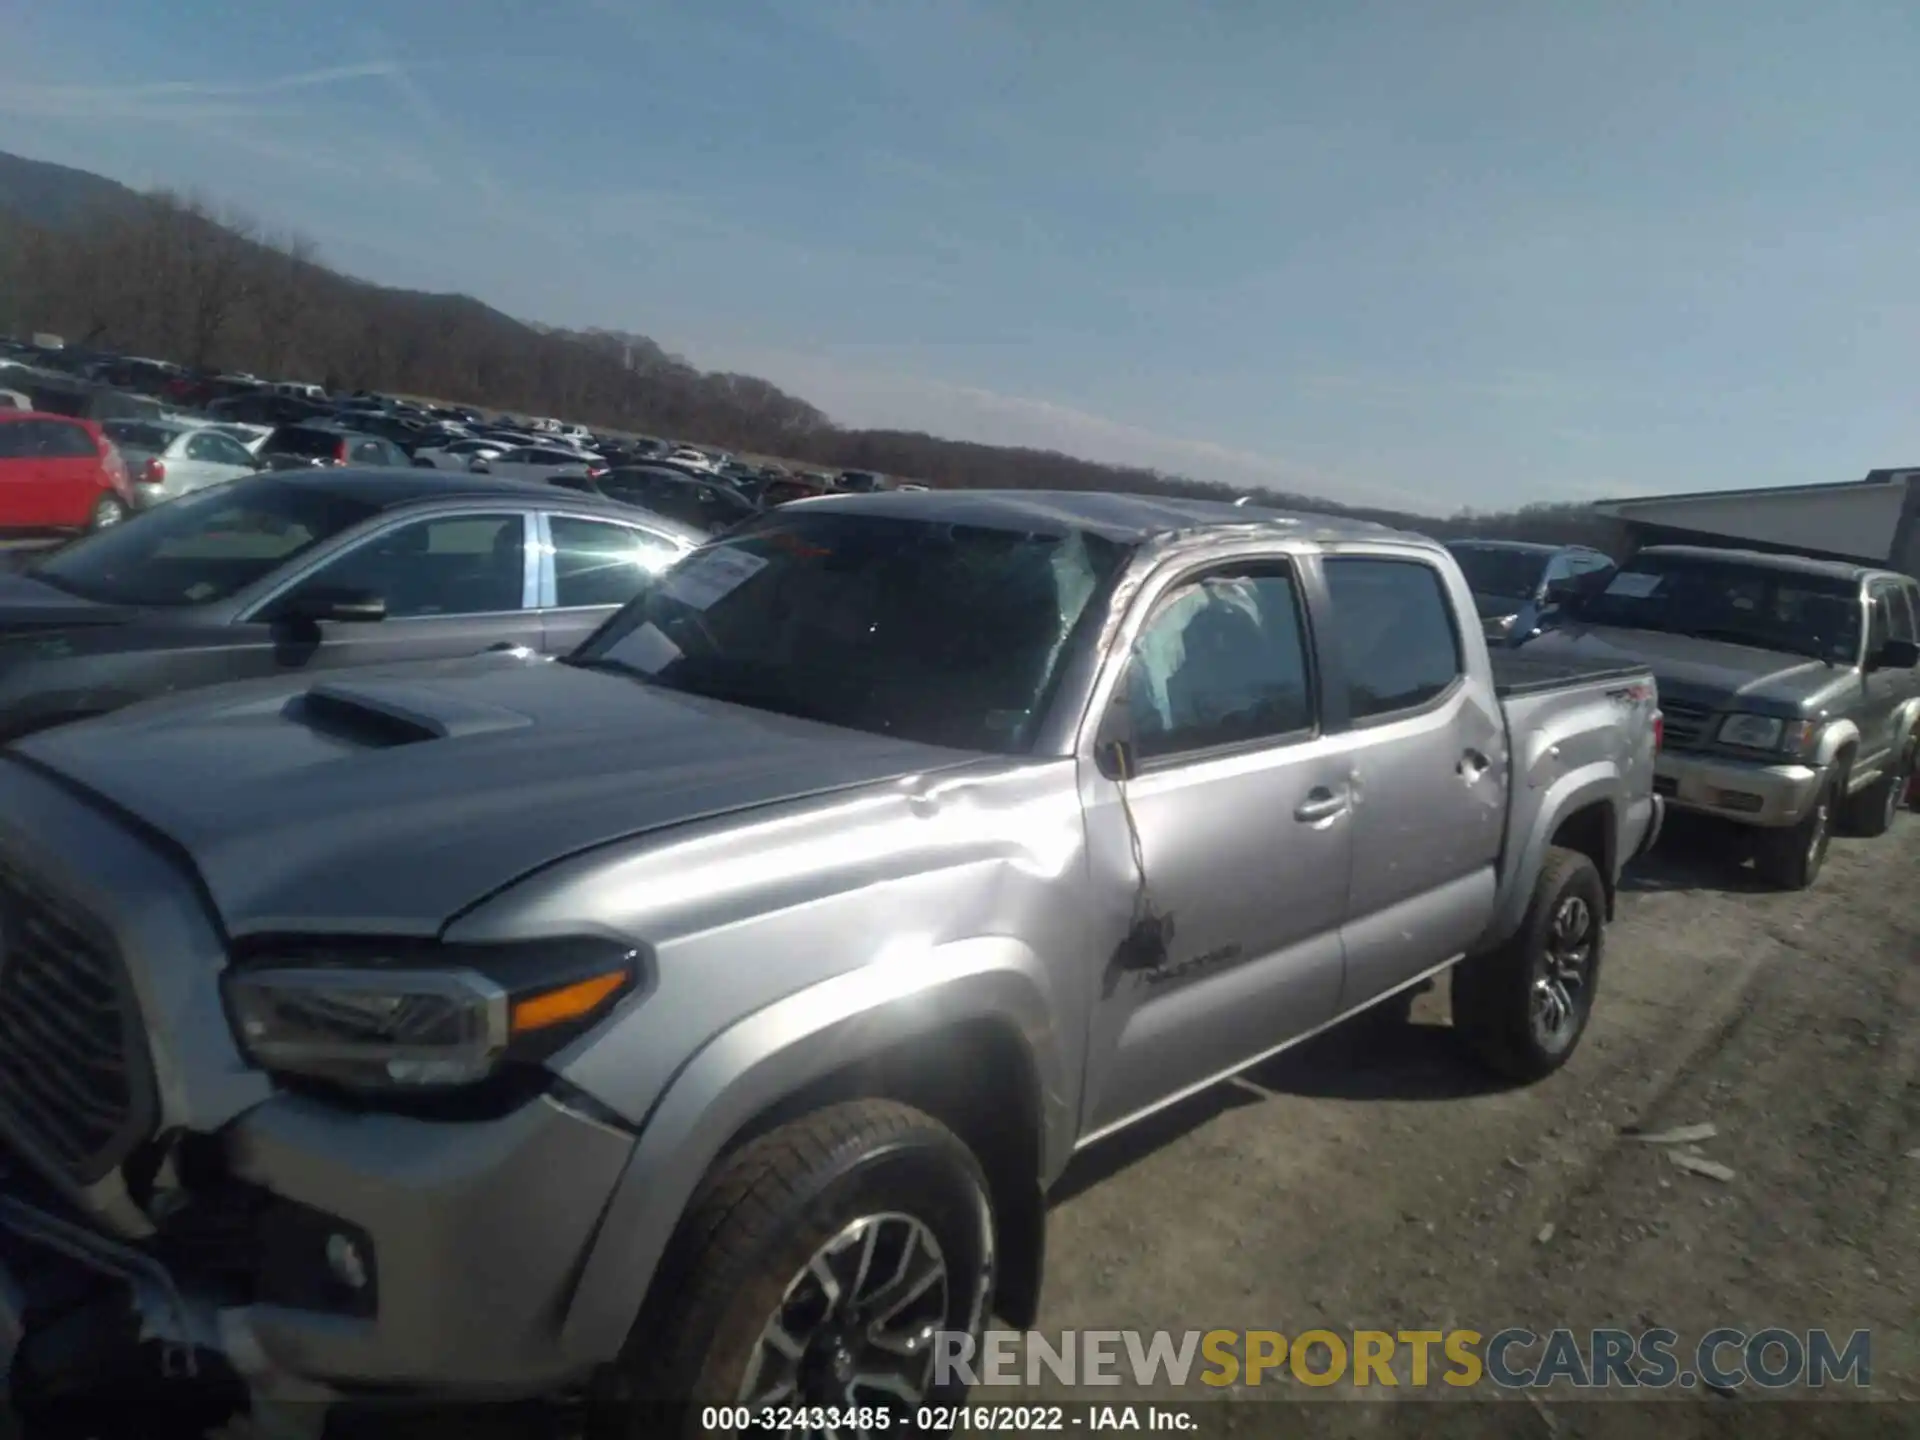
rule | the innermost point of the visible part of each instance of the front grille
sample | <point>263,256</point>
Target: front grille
<point>71,1064</point>
<point>1686,726</point>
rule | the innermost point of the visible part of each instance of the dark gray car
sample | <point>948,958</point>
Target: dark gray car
<point>315,570</point>
<point>1520,586</point>
<point>1788,686</point>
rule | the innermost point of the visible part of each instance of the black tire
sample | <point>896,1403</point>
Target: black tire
<point>1792,858</point>
<point>741,1257</point>
<point>1496,995</point>
<point>109,510</point>
<point>1873,810</point>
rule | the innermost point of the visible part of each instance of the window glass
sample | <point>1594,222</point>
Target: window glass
<point>1396,633</point>
<point>445,565</point>
<point>1559,568</point>
<point>13,439</point>
<point>216,448</point>
<point>1500,572</point>
<point>1899,617</point>
<point>1737,602</point>
<point>57,440</point>
<point>139,434</point>
<point>1904,605</point>
<point>296,440</point>
<point>205,546</point>
<point>943,633</point>
<point>1879,620</point>
<point>1585,564</point>
<point>598,563</point>
<point>1222,660</point>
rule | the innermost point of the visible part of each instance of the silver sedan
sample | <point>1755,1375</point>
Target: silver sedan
<point>166,461</point>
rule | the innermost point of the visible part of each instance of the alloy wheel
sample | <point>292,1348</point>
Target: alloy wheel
<point>1566,969</point>
<point>1822,831</point>
<point>855,1328</point>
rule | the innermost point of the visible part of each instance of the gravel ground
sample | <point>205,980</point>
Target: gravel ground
<point>1372,1180</point>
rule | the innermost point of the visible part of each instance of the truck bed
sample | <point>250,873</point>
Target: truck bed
<point>1516,673</point>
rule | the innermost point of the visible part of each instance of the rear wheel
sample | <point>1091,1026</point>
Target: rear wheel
<point>1791,858</point>
<point>815,1268</point>
<point>109,510</point>
<point>1524,1006</point>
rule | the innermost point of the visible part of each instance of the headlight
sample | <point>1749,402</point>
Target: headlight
<point>1764,732</point>
<point>387,1021</point>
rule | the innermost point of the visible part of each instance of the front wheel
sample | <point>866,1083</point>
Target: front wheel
<point>1791,858</point>
<point>1523,1007</point>
<point>1874,809</point>
<point>824,1264</point>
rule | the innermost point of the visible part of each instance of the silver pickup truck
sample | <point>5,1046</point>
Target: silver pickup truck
<point>704,1017</point>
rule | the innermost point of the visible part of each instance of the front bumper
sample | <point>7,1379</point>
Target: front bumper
<point>471,1235</point>
<point>1750,792</point>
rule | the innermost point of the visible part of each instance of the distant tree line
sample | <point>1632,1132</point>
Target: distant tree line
<point>175,277</point>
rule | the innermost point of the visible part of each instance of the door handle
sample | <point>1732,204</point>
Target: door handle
<point>508,647</point>
<point>1320,804</point>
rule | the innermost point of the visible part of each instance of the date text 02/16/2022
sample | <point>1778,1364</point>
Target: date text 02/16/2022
<point>946,1419</point>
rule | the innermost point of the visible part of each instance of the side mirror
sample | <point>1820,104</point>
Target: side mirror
<point>1896,655</point>
<point>478,465</point>
<point>342,606</point>
<point>1116,759</point>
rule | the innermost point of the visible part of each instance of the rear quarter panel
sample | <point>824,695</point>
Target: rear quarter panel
<point>1589,744</point>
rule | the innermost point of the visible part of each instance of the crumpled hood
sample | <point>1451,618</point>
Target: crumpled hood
<point>388,800</point>
<point>1701,672</point>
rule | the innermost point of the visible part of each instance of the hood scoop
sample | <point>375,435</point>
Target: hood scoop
<point>385,714</point>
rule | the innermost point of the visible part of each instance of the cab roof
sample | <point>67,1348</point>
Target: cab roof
<point>1124,518</point>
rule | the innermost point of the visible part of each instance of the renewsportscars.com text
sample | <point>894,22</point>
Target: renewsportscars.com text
<point>1511,1359</point>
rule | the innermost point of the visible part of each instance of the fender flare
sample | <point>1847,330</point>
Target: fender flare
<point>751,1066</point>
<point>1598,782</point>
<point>1908,722</point>
<point>1835,737</point>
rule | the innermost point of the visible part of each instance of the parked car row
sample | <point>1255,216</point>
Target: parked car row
<point>167,422</point>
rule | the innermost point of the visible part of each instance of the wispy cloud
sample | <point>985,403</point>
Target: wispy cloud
<point>179,98</point>
<point>430,118</point>
<point>896,398</point>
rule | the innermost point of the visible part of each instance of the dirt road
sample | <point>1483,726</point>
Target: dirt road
<point>1370,1180</point>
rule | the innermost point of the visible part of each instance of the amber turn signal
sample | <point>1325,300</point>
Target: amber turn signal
<point>569,1002</point>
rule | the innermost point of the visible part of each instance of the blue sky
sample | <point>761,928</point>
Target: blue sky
<point>1425,254</point>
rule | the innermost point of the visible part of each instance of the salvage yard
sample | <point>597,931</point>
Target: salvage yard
<point>1368,1180</point>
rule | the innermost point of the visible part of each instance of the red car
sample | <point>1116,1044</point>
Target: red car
<point>59,474</point>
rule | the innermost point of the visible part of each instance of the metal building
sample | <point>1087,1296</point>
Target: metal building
<point>1875,520</point>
